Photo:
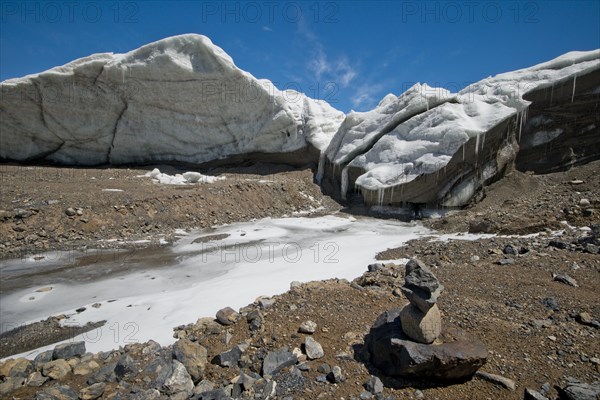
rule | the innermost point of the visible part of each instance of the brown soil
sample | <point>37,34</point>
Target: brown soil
<point>523,203</point>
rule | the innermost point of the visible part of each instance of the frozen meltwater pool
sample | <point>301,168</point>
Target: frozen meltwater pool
<point>145,293</point>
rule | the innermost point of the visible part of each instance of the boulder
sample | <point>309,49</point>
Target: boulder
<point>63,392</point>
<point>179,384</point>
<point>69,350</point>
<point>336,375</point>
<point>36,379</point>
<point>227,316</point>
<point>192,355</point>
<point>421,327</point>
<point>374,385</point>
<point>456,358</point>
<point>57,369</point>
<point>313,349</point>
<point>582,391</point>
<point>21,368</point>
<point>125,367</point>
<point>92,392</point>
<point>277,360</point>
<point>11,384</point>
<point>229,358</point>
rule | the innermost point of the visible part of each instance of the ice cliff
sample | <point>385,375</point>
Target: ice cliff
<point>181,99</point>
<point>431,146</point>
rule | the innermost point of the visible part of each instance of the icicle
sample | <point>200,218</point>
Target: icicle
<point>477,145</point>
<point>520,122</point>
<point>482,141</point>
<point>464,152</point>
<point>344,184</point>
<point>380,194</point>
<point>392,194</point>
<point>574,85</point>
<point>321,168</point>
<point>551,93</point>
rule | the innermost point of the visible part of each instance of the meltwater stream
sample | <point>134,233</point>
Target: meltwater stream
<point>145,293</point>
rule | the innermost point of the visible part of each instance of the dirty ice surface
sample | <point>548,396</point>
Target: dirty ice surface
<point>143,294</point>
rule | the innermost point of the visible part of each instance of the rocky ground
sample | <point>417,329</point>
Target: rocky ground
<point>533,301</point>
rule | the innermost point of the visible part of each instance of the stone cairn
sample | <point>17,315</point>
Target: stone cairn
<point>420,318</point>
<point>412,342</point>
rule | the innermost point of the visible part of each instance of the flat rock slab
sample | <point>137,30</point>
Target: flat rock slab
<point>456,358</point>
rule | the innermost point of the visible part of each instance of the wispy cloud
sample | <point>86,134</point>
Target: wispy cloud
<point>323,66</point>
<point>366,96</point>
<point>266,28</point>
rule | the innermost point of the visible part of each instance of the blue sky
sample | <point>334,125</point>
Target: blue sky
<point>349,53</point>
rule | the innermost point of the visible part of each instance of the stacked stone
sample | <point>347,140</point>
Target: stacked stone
<point>420,319</point>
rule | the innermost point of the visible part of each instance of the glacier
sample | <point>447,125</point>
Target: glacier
<point>435,147</point>
<point>183,100</point>
<point>180,99</point>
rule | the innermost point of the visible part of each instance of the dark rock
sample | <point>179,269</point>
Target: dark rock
<point>277,360</point>
<point>193,356</point>
<point>582,391</point>
<point>255,320</point>
<point>104,374</point>
<point>336,376</point>
<point>92,392</point>
<point>69,350</point>
<point>150,394</point>
<point>324,369</point>
<point>57,393</point>
<point>125,367</point>
<point>227,316</point>
<point>160,368</point>
<point>531,394</point>
<point>218,394</point>
<point>457,358</point>
<point>43,358</point>
<point>70,212</point>
<point>374,385</point>
<point>566,279</point>
<point>375,267</point>
<point>592,248</point>
<point>508,249</point>
<point>421,287</point>
<point>558,244</point>
<point>228,358</point>
<point>550,302</point>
